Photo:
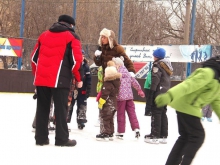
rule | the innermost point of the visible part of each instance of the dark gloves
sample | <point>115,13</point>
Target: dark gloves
<point>148,110</point>
<point>150,97</point>
<point>35,96</point>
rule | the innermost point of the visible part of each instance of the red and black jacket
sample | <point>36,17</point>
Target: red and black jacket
<point>56,56</point>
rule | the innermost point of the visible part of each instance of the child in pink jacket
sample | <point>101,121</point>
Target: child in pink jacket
<point>125,98</point>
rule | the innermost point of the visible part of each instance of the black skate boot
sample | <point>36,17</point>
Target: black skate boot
<point>151,139</point>
<point>102,137</point>
<point>81,126</point>
<point>111,137</point>
<point>69,143</point>
<point>137,134</point>
<point>119,136</point>
<point>47,142</point>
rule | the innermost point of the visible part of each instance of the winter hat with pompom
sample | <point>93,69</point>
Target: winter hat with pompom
<point>118,60</point>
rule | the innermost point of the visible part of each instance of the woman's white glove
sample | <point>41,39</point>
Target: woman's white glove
<point>132,74</point>
<point>98,53</point>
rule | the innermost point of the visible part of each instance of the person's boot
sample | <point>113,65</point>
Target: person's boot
<point>163,140</point>
<point>81,126</point>
<point>69,143</point>
<point>151,139</point>
<point>47,142</point>
<point>209,119</point>
<point>102,137</point>
<point>119,136</point>
<point>137,133</point>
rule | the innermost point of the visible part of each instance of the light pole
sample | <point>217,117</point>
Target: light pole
<point>74,9</point>
<point>193,19</point>
<point>21,29</point>
<point>121,21</point>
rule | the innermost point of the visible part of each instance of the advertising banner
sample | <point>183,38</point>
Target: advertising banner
<point>175,53</point>
<point>11,47</point>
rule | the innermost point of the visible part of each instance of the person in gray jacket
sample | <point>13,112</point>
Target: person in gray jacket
<point>160,83</point>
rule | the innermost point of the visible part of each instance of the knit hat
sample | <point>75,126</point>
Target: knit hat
<point>213,62</point>
<point>66,18</point>
<point>118,60</point>
<point>110,70</point>
<point>109,34</point>
<point>159,53</point>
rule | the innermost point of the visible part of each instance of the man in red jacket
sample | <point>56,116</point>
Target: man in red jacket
<point>56,56</point>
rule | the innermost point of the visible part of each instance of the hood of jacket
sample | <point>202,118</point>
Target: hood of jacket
<point>61,27</point>
<point>112,77</point>
<point>166,65</point>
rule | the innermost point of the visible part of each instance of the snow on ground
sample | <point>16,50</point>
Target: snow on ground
<point>17,142</point>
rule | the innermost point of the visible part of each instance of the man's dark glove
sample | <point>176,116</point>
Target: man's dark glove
<point>148,110</point>
<point>35,96</point>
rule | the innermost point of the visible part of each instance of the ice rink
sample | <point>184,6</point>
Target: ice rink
<point>18,147</point>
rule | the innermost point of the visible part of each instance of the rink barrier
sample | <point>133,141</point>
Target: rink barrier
<point>18,81</point>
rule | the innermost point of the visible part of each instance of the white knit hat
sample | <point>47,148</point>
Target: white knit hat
<point>109,34</point>
<point>118,60</point>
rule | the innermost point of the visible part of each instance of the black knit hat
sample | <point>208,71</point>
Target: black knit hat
<point>66,18</point>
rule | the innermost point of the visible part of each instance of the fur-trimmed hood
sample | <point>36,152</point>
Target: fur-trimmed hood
<point>113,77</point>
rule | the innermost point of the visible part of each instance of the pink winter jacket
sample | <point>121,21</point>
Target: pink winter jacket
<point>125,90</point>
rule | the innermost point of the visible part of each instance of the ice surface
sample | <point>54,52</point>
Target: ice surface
<point>17,144</point>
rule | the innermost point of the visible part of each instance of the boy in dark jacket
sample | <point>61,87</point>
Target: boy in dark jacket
<point>108,102</point>
<point>80,96</point>
<point>160,83</point>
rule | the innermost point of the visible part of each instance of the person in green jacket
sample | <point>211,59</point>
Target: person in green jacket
<point>98,90</point>
<point>147,85</point>
<point>201,88</point>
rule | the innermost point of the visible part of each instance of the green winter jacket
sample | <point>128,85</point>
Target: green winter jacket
<point>100,79</point>
<point>198,90</point>
<point>147,83</point>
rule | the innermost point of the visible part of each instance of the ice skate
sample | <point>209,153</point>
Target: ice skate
<point>111,137</point>
<point>81,126</point>
<point>163,140</point>
<point>102,137</point>
<point>47,142</point>
<point>119,136</point>
<point>209,119</point>
<point>150,139</point>
<point>137,133</point>
<point>203,118</point>
<point>69,143</point>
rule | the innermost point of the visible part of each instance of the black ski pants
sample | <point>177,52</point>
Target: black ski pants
<point>159,122</point>
<point>188,143</point>
<point>60,97</point>
<point>81,102</point>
